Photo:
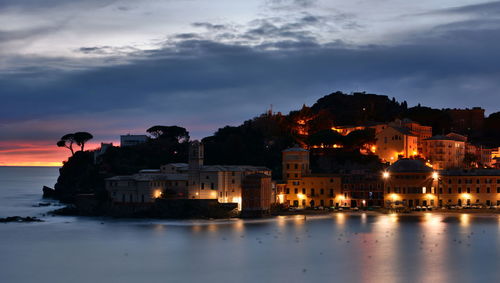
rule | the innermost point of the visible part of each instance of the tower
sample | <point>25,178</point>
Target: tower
<point>295,163</point>
<point>196,155</point>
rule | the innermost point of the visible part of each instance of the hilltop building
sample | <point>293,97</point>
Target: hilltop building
<point>396,142</point>
<point>444,152</point>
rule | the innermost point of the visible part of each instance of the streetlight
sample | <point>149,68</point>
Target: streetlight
<point>385,174</point>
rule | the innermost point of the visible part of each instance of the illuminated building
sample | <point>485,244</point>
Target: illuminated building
<point>444,152</point>
<point>396,142</point>
<point>409,183</point>
<point>363,189</point>
<point>469,187</point>
<point>303,189</point>
<point>145,186</point>
<point>420,131</point>
<point>199,181</point>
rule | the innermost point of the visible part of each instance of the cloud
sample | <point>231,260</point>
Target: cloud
<point>221,73</point>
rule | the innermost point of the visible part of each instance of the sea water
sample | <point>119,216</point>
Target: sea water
<point>359,247</point>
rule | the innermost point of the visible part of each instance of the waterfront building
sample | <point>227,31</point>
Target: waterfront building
<point>192,180</point>
<point>396,142</point>
<point>409,183</point>
<point>145,186</point>
<point>444,152</point>
<point>363,189</point>
<point>303,189</point>
<point>256,195</point>
<point>131,140</point>
<point>469,187</point>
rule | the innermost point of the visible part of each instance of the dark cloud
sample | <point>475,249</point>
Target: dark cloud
<point>203,84</point>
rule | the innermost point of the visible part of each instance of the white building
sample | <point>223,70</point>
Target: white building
<point>131,140</point>
<point>180,180</point>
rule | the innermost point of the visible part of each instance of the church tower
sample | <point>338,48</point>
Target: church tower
<point>196,155</point>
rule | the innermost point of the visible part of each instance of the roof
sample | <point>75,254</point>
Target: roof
<point>295,149</point>
<point>150,177</point>
<point>235,168</point>
<point>402,131</point>
<point>471,172</point>
<point>442,138</point>
<point>409,166</point>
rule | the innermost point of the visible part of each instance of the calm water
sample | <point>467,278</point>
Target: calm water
<point>338,248</point>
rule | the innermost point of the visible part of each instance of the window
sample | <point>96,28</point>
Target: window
<point>202,186</point>
<point>388,190</point>
<point>321,191</point>
<point>296,191</point>
<point>287,191</point>
<point>459,190</point>
<point>488,190</point>
<point>212,186</point>
<point>296,166</point>
<point>449,190</point>
<point>304,191</point>
<point>232,181</point>
<point>287,166</point>
<point>468,190</point>
<point>477,190</point>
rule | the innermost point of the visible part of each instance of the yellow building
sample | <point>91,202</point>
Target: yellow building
<point>303,189</point>
<point>394,143</point>
<point>469,187</point>
<point>410,183</point>
<point>444,152</point>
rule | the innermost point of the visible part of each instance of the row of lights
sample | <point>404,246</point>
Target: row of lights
<point>386,175</point>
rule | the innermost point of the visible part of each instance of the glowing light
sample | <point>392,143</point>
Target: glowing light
<point>435,175</point>
<point>415,152</point>
<point>301,196</point>
<point>364,202</point>
<point>374,148</point>
<point>157,193</point>
<point>385,175</point>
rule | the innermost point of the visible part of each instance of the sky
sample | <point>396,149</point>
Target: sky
<point>112,67</point>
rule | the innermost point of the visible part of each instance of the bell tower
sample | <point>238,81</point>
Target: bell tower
<point>196,155</point>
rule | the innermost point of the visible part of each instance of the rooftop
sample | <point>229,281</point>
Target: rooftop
<point>409,166</point>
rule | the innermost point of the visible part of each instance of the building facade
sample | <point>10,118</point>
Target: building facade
<point>409,183</point>
<point>444,152</point>
<point>303,189</point>
<point>394,143</point>
<point>256,192</point>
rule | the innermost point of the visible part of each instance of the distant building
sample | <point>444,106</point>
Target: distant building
<point>100,151</point>
<point>466,120</point>
<point>396,142</point>
<point>131,140</point>
<point>256,193</point>
<point>444,152</point>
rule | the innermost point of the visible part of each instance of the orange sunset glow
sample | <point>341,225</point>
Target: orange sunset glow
<point>40,153</point>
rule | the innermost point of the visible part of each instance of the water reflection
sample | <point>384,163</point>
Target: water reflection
<point>362,247</point>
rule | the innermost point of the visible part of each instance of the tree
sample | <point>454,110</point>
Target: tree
<point>175,133</point>
<point>81,138</point>
<point>67,142</point>
<point>325,137</point>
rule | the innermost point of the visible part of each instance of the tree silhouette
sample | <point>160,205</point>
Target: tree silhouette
<point>67,142</point>
<point>81,138</point>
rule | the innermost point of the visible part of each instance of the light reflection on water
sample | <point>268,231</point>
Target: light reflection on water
<point>361,247</point>
<point>352,248</point>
